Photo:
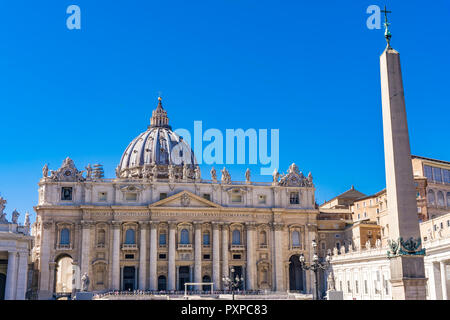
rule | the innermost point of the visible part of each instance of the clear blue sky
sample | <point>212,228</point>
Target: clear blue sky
<point>307,68</point>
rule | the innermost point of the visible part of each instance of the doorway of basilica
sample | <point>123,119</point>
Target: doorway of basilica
<point>64,275</point>
<point>296,274</point>
<point>129,278</point>
<point>183,277</point>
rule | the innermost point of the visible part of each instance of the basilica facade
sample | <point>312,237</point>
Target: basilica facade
<point>161,223</point>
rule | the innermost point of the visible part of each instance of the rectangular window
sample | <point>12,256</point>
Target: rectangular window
<point>348,287</point>
<point>448,223</point>
<point>428,172</point>
<point>162,256</point>
<point>206,257</point>
<point>366,291</point>
<point>207,196</point>
<point>356,287</point>
<point>129,256</point>
<point>446,176</point>
<point>437,174</point>
<point>236,198</point>
<point>66,193</point>
<point>131,196</point>
<point>162,195</point>
<point>294,198</point>
<point>236,256</point>
<point>102,196</point>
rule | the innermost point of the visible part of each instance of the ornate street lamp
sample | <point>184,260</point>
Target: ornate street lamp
<point>315,266</point>
<point>232,282</point>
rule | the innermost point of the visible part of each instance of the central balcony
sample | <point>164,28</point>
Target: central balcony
<point>237,247</point>
<point>129,246</point>
<point>184,246</point>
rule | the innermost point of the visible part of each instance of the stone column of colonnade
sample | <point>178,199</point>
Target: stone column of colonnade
<point>198,253</point>
<point>153,255</point>
<point>216,256</point>
<point>225,271</point>
<point>443,280</point>
<point>171,264</point>
<point>115,268</point>
<point>22,275</point>
<point>143,255</point>
<point>251,266</point>
<point>10,293</point>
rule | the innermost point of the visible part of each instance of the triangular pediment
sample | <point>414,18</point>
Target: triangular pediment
<point>185,199</point>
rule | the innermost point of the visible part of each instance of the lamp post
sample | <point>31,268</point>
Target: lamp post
<point>315,266</point>
<point>233,282</point>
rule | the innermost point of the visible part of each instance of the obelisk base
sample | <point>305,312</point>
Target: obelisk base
<point>408,278</point>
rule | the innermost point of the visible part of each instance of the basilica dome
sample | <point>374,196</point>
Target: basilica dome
<point>158,152</point>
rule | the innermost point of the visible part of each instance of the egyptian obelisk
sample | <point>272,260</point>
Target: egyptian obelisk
<point>406,259</point>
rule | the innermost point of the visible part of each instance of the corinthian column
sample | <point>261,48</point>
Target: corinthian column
<point>46,244</point>
<point>279,272</point>
<point>216,255</point>
<point>11,276</point>
<point>22,276</point>
<point>225,230</point>
<point>251,266</point>
<point>143,255</point>
<point>115,267</point>
<point>198,253</point>
<point>171,265</point>
<point>153,255</point>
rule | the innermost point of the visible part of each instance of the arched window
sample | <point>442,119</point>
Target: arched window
<point>129,237</point>
<point>448,199</point>
<point>101,237</point>
<point>440,199</point>
<point>206,240</point>
<point>431,198</point>
<point>184,237</point>
<point>162,283</point>
<point>296,239</point>
<point>64,237</point>
<point>236,237</point>
<point>263,238</point>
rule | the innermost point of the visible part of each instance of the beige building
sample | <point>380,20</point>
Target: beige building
<point>15,246</point>
<point>159,224</point>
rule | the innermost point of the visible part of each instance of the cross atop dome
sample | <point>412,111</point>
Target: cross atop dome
<point>159,116</point>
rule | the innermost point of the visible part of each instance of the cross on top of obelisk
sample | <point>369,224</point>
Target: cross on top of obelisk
<point>387,33</point>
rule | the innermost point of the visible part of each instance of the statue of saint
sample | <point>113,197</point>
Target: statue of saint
<point>2,207</point>
<point>275,175</point>
<point>197,172</point>
<point>226,178</point>
<point>185,171</point>
<point>85,282</point>
<point>171,173</point>
<point>155,172</point>
<point>330,282</point>
<point>247,176</point>
<point>45,171</point>
<point>15,216</point>
<point>88,171</point>
<point>213,175</point>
